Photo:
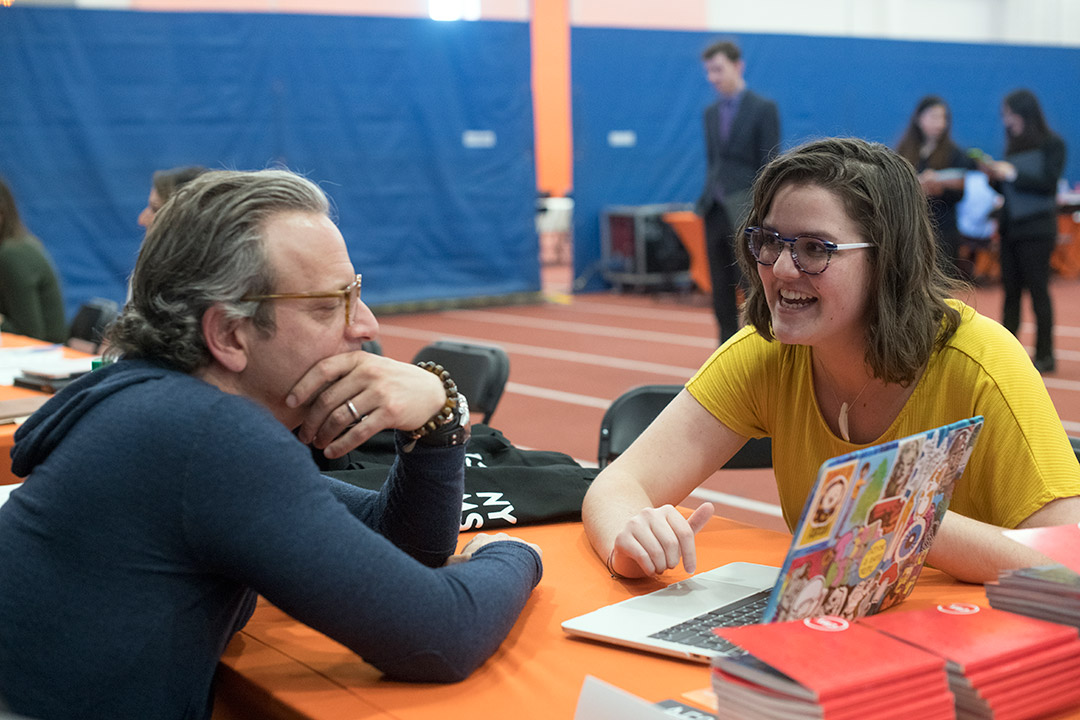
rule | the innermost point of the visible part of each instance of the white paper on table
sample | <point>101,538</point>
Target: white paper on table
<point>602,701</point>
<point>13,358</point>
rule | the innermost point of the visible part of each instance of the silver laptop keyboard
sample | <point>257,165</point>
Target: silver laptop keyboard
<point>698,631</point>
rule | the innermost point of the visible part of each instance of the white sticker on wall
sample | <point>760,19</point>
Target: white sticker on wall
<point>478,138</point>
<point>622,138</point>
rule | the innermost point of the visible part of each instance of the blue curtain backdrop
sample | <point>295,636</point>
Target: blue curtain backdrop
<point>652,83</point>
<point>374,109</point>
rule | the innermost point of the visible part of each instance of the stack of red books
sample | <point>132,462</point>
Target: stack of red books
<point>1000,664</point>
<point>827,668</point>
<point>960,660</point>
<point>1049,592</point>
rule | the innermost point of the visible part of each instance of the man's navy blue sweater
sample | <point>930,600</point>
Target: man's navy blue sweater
<point>157,507</point>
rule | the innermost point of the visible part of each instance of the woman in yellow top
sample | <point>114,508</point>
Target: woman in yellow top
<point>852,340</point>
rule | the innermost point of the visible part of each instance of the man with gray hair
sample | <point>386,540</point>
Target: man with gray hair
<point>166,490</point>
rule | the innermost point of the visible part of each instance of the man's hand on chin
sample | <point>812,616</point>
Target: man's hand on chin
<point>350,397</point>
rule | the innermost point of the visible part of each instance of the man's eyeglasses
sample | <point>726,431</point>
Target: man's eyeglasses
<point>350,293</point>
<point>811,255</point>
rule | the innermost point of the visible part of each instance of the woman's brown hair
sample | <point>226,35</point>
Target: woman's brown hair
<point>912,142</point>
<point>10,224</point>
<point>907,315</point>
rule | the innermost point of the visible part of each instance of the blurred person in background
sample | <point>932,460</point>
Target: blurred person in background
<point>31,303</point>
<point>940,164</point>
<point>1028,180</point>
<point>742,133</point>
<point>162,185</point>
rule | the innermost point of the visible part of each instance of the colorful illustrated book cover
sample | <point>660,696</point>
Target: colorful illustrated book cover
<point>868,524</point>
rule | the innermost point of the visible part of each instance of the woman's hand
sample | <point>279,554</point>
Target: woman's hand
<point>656,539</point>
<point>997,169</point>
<point>1005,171</point>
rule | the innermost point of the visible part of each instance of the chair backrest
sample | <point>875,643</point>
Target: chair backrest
<point>628,416</point>
<point>480,371</point>
<point>630,413</point>
<point>89,324</point>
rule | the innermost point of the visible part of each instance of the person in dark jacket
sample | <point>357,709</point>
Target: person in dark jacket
<point>165,491</point>
<point>1028,179</point>
<point>742,133</point>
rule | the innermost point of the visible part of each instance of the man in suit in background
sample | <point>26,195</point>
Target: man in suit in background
<point>742,133</point>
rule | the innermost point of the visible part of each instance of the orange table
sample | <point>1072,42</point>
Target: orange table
<point>279,668</point>
<point>7,392</point>
<point>7,432</point>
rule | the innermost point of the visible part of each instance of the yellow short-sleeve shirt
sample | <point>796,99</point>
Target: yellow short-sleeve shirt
<point>1023,458</point>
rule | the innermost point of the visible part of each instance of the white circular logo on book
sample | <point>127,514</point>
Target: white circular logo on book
<point>827,623</point>
<point>959,609</point>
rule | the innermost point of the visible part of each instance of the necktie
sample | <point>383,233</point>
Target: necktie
<point>727,114</point>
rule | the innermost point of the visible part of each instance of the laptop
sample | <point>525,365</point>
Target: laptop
<point>857,549</point>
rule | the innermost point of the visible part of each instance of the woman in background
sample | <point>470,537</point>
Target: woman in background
<point>162,185</point>
<point>1028,178</point>
<point>940,163</point>
<point>30,299</point>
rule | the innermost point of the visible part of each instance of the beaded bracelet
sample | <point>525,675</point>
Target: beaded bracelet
<point>446,413</point>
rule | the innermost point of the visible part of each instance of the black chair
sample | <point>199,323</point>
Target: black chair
<point>88,328</point>
<point>630,413</point>
<point>480,371</point>
<point>372,346</point>
<point>1076,446</point>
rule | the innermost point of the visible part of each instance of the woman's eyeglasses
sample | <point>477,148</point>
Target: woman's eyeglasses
<point>811,255</point>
